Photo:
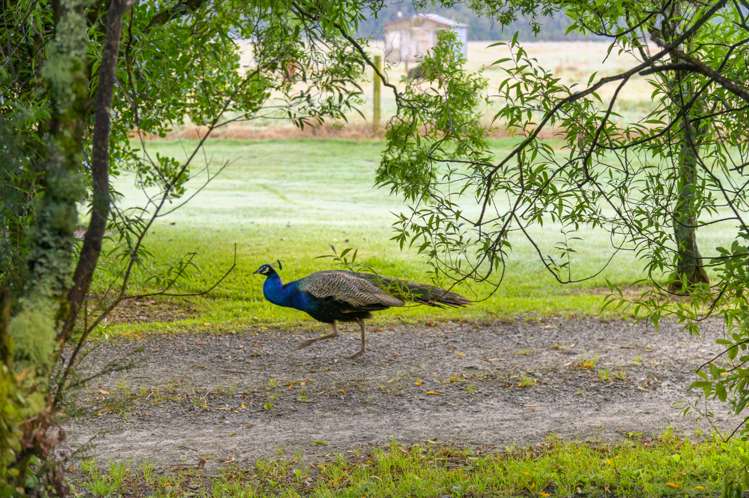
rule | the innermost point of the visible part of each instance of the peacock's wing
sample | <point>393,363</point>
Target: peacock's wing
<point>346,287</point>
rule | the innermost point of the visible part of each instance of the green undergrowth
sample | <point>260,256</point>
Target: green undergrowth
<point>292,200</point>
<point>237,303</point>
<point>637,467</point>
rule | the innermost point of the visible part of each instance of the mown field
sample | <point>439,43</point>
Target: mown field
<point>293,200</point>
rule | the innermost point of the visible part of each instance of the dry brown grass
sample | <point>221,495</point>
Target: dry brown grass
<point>574,62</point>
<point>350,131</point>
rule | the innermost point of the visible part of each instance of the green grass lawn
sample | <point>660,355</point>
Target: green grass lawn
<point>292,200</point>
<point>665,466</point>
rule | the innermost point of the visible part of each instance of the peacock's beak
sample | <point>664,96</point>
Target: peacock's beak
<point>257,272</point>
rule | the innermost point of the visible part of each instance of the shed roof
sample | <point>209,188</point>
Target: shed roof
<point>435,18</point>
<point>441,20</point>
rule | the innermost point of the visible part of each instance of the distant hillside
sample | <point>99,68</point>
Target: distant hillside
<point>479,28</point>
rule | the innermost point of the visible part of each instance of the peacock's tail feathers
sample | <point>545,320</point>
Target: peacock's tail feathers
<point>412,291</point>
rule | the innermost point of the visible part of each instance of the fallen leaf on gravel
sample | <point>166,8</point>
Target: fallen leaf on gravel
<point>433,393</point>
<point>460,354</point>
<point>320,442</point>
<point>588,364</point>
<point>419,382</point>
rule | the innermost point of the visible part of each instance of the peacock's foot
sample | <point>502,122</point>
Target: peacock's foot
<point>306,343</point>
<point>315,339</point>
<point>357,354</point>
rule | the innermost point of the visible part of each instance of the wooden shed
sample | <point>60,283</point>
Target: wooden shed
<point>407,40</point>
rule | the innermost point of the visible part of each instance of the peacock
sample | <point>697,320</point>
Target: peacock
<point>332,296</point>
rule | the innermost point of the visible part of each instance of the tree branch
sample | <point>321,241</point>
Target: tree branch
<point>177,10</point>
<point>695,65</point>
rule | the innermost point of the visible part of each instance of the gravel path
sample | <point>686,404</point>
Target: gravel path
<point>238,397</point>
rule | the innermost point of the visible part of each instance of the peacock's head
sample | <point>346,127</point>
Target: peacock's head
<point>266,270</point>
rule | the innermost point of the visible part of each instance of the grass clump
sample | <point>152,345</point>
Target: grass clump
<point>665,466</point>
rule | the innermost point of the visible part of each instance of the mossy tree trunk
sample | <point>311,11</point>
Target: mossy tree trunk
<point>60,183</point>
<point>689,268</point>
<point>61,187</point>
<point>46,308</point>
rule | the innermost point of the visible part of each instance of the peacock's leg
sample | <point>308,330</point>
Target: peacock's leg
<point>363,340</point>
<point>321,338</point>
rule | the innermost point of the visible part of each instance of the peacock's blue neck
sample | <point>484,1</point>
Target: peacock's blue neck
<point>284,295</point>
<point>274,291</point>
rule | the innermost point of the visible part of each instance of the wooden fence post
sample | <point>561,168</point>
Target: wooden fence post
<point>377,95</point>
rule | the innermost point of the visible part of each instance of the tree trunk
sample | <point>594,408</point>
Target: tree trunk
<point>50,295</point>
<point>101,205</point>
<point>689,269</point>
<point>61,187</point>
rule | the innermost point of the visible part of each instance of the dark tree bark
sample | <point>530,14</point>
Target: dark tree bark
<point>101,204</point>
